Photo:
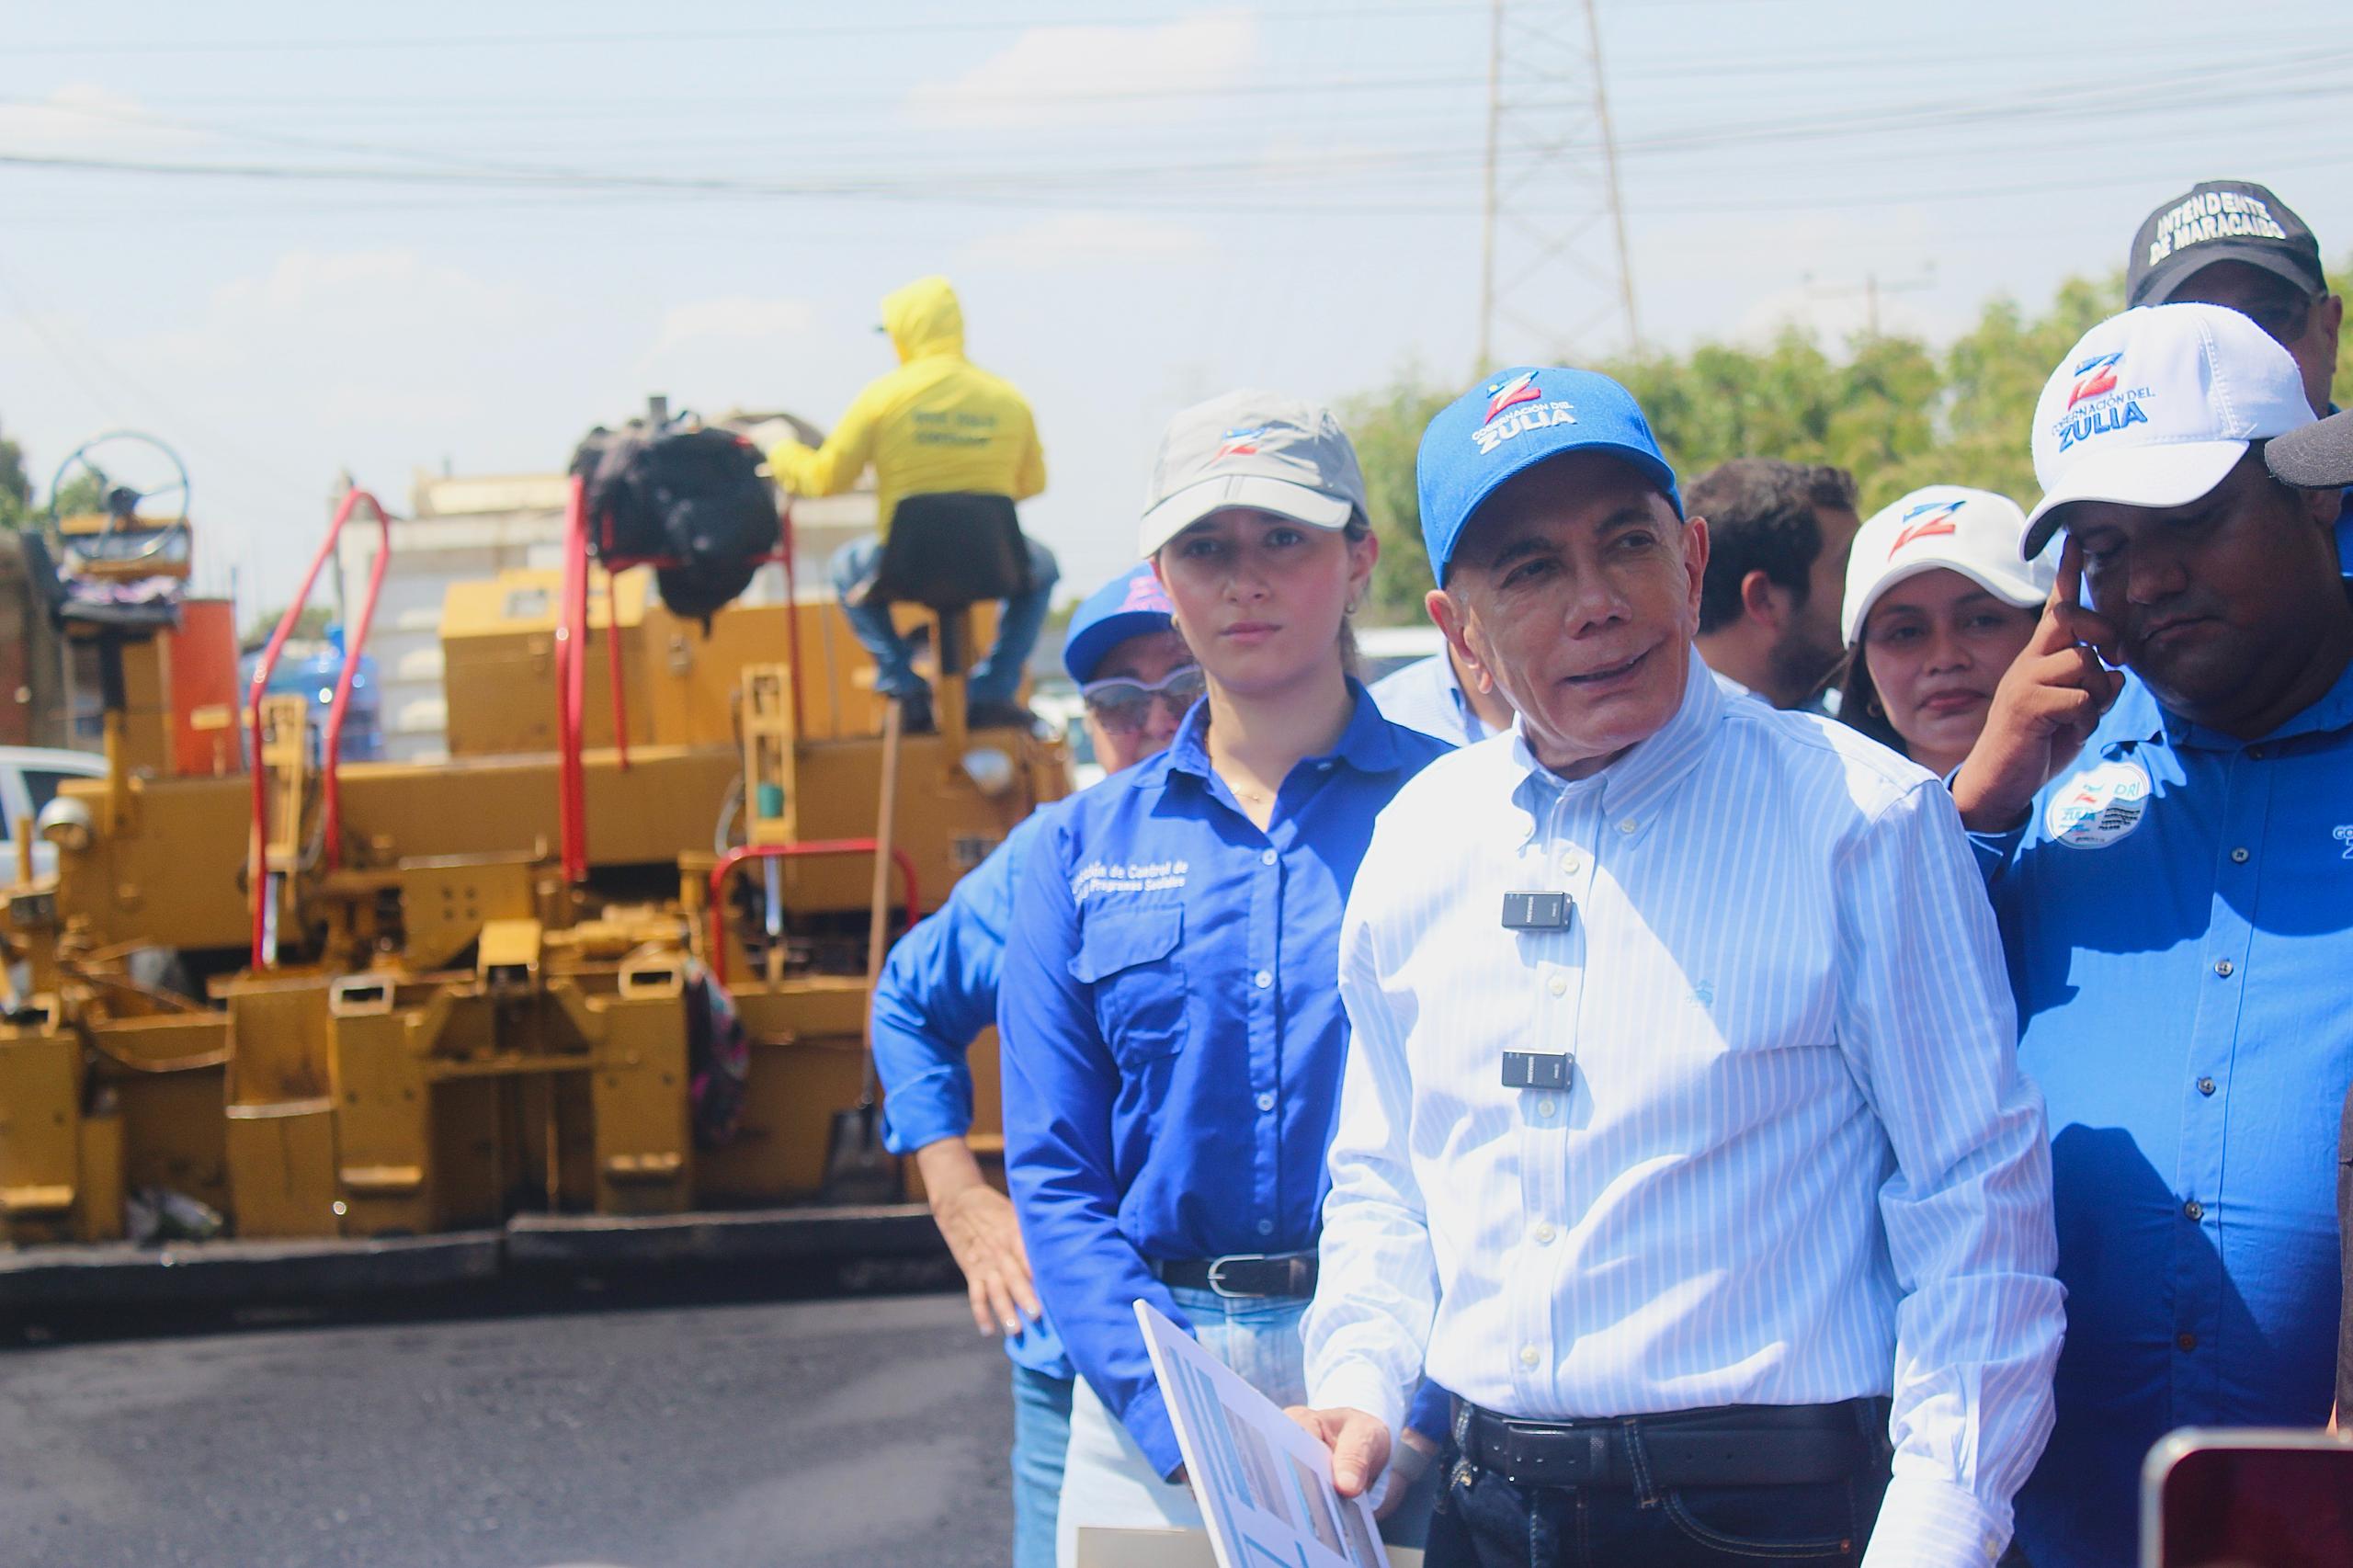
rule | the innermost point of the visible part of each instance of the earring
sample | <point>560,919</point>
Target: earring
<point>1874,709</point>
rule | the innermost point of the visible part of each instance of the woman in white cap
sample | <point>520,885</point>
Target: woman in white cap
<point>1938,603</point>
<point>1170,1013</point>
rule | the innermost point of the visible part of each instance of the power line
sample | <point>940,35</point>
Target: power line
<point>997,24</point>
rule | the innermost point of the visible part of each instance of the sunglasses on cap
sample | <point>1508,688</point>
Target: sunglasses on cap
<point>1121,704</point>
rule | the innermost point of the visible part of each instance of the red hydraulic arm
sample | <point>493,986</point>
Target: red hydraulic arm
<point>743,852</point>
<point>355,644</point>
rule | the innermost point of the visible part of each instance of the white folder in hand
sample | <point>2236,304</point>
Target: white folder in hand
<point>1265,1486</point>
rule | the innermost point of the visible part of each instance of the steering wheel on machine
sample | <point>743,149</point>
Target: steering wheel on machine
<point>122,504</point>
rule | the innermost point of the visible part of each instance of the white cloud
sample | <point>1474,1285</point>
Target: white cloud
<point>82,118</point>
<point>1066,75</point>
<point>1086,238</point>
<point>365,314</point>
<point>736,317</point>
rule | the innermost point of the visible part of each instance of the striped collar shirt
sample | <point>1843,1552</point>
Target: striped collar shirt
<point>1426,696</point>
<point>1795,1163</point>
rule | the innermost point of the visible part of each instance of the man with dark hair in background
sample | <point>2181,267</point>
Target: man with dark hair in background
<point>1778,536</point>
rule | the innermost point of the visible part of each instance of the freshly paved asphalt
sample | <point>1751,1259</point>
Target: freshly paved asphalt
<point>566,1428</point>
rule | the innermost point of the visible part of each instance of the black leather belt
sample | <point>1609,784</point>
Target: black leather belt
<point>1734,1445</point>
<point>1245,1274</point>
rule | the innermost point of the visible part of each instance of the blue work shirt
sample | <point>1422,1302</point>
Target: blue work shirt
<point>1425,696</point>
<point>1173,1034</point>
<point>936,993</point>
<point>2178,915</point>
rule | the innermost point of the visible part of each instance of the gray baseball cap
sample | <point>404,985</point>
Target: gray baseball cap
<point>1252,449</point>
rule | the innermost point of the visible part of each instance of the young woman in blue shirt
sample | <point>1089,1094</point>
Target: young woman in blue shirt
<point>1170,1015</point>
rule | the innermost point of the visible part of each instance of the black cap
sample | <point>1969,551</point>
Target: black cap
<point>2220,220</point>
<point>2318,456</point>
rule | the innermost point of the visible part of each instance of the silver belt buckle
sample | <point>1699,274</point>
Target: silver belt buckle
<point>1217,1273</point>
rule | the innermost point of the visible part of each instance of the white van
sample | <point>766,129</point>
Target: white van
<point>1385,649</point>
<point>29,781</point>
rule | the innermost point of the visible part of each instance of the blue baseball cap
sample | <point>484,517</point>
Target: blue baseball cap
<point>1130,605</point>
<point>1512,422</point>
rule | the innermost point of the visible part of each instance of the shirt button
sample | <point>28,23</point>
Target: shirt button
<point>1629,825</point>
<point>1265,857</point>
<point>2255,752</point>
<point>1570,863</point>
<point>1528,1355</point>
<point>1545,1234</point>
<point>2238,857</point>
<point>1262,979</point>
<point>2185,1341</point>
<point>2223,967</point>
<point>1559,985</point>
<point>1266,1227</point>
<point>1545,1107</point>
<point>1267,1100</point>
<point>2194,1209</point>
<point>2205,1085</point>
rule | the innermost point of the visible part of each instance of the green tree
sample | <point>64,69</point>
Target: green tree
<point>311,625</point>
<point>1870,411</point>
<point>16,488</point>
<point>1891,410</point>
<point>1387,427</point>
<point>1992,377</point>
<point>83,493</point>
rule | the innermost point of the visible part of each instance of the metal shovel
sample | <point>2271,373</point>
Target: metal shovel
<point>859,1169</point>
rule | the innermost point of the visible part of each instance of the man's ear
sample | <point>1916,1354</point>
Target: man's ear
<point>1447,616</point>
<point>1696,546</point>
<point>2330,316</point>
<point>2324,506</point>
<point>1764,601</point>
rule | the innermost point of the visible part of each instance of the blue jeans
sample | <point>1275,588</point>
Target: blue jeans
<point>1040,1438</point>
<point>995,677</point>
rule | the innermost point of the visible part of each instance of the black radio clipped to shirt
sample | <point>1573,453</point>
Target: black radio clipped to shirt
<point>1537,911</point>
<point>1537,1069</point>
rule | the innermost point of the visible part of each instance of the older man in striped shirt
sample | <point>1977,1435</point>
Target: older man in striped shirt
<point>1682,1133</point>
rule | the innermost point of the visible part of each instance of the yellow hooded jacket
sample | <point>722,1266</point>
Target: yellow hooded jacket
<point>938,424</point>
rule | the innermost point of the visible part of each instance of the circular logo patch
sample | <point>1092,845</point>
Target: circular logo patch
<point>2099,805</point>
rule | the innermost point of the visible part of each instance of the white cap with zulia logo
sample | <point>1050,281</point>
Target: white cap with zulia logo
<point>2155,407</point>
<point>1943,526</point>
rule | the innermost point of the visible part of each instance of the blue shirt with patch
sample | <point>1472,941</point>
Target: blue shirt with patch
<point>1173,1034</point>
<point>2178,915</point>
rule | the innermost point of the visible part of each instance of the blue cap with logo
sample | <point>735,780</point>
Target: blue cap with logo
<point>1132,604</point>
<point>1513,421</point>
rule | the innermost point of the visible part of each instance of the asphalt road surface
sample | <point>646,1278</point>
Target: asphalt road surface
<point>700,1432</point>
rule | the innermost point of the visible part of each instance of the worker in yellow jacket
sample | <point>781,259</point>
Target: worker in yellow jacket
<point>937,425</point>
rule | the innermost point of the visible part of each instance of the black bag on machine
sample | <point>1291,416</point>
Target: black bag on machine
<point>681,493</point>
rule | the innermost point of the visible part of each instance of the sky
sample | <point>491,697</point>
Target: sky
<point>297,241</point>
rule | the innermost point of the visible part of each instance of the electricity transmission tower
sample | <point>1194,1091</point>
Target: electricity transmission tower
<point>1553,280</point>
